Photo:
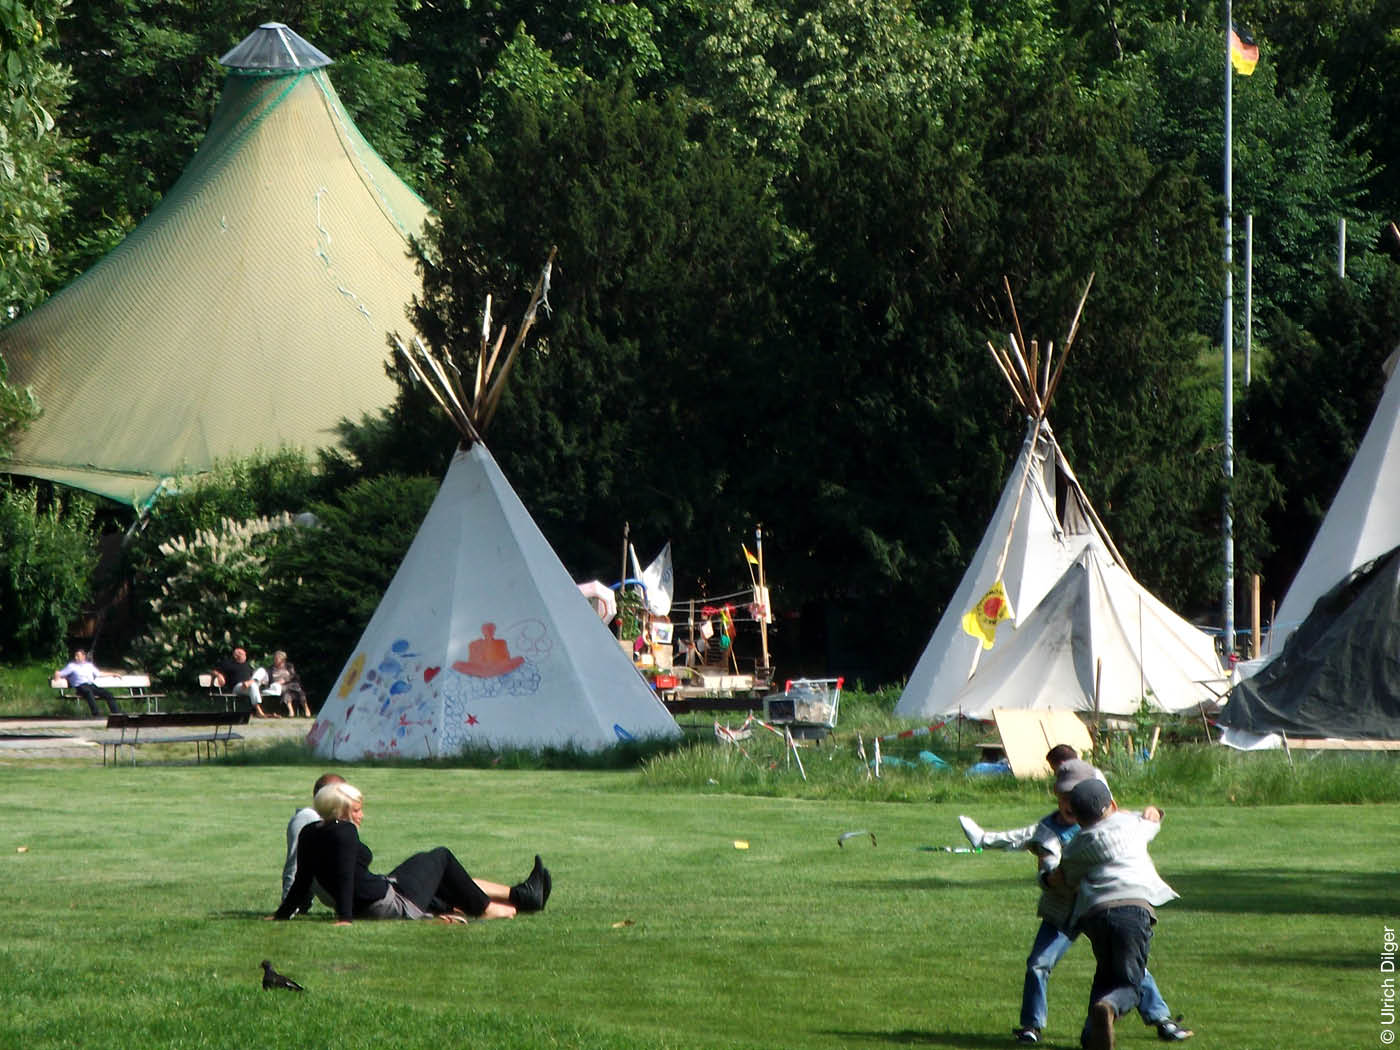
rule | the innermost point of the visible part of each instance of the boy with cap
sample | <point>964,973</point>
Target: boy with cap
<point>1048,840</point>
<point>1115,887</point>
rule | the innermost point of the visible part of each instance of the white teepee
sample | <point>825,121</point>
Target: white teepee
<point>1096,629</point>
<point>1362,523</point>
<point>1045,540</point>
<point>482,638</point>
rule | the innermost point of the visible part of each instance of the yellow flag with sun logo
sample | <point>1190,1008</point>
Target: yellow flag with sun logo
<point>981,620</point>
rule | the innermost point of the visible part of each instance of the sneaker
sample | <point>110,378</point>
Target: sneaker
<point>1101,1018</point>
<point>973,831</point>
<point>1027,1035</point>
<point>1173,1031</point>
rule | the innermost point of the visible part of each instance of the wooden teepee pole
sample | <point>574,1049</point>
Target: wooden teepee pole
<point>538,295</point>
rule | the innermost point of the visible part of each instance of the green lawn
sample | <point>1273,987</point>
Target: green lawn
<point>134,903</point>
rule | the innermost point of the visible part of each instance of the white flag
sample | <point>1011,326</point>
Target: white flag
<point>659,578</point>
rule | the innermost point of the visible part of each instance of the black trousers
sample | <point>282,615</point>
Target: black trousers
<point>90,691</point>
<point>1121,938</point>
<point>437,882</point>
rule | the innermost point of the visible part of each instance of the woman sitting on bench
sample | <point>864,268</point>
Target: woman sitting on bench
<point>284,677</point>
<point>426,885</point>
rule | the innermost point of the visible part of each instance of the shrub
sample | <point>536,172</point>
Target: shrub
<point>326,581</point>
<point>46,564</point>
<point>212,598</point>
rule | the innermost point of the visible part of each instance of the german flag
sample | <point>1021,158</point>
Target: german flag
<point>1244,52</point>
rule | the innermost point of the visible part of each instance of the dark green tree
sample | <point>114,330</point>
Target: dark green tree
<point>33,150</point>
<point>634,403</point>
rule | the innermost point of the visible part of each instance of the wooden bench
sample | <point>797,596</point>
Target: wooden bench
<point>217,692</point>
<point>137,730</point>
<point>134,687</point>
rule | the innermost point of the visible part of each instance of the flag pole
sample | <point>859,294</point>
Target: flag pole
<point>1227,333</point>
<point>763,596</point>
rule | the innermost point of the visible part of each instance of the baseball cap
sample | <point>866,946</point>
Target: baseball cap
<point>1090,799</point>
<point>1073,773</point>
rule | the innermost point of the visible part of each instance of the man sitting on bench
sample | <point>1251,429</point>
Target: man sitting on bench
<point>237,675</point>
<point>81,675</point>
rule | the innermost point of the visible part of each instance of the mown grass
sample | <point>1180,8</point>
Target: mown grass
<point>136,896</point>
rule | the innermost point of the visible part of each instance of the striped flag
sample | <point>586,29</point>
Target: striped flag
<point>1244,52</point>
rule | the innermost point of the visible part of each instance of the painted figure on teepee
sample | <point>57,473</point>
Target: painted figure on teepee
<point>482,639</point>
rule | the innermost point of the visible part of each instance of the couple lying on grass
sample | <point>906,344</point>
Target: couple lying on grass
<point>325,856</point>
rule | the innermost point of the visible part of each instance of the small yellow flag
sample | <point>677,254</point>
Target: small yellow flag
<point>981,620</point>
<point>750,557</point>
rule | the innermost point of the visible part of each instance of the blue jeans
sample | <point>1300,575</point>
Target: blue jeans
<point>1047,949</point>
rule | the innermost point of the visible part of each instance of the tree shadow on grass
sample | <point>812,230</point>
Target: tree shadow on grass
<point>934,882</point>
<point>1271,891</point>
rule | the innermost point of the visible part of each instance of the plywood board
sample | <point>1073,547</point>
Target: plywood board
<point>1027,735</point>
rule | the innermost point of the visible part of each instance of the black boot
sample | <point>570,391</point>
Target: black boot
<point>532,894</point>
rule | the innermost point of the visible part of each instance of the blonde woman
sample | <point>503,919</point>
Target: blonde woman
<point>434,883</point>
<point>284,676</point>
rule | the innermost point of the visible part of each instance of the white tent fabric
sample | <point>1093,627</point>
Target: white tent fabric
<point>1095,617</point>
<point>1044,542</point>
<point>659,578</point>
<point>483,640</point>
<point>1362,523</point>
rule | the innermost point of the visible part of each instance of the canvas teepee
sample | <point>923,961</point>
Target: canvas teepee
<point>1337,675</point>
<point>1362,523</point>
<point>1081,621</point>
<point>482,639</point>
<point>248,310</point>
<point>1096,629</point>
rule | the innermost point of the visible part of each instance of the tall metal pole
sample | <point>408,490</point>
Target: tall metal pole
<point>1227,334</point>
<point>1248,294</point>
<point>762,596</point>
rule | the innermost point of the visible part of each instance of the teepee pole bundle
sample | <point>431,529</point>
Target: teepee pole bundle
<point>1035,401</point>
<point>540,295</point>
<point>471,415</point>
<point>453,411</point>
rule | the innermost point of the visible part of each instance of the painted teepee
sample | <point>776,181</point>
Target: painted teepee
<point>482,639</point>
<point>248,310</point>
<point>1080,624</point>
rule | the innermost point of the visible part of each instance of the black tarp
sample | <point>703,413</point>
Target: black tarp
<point>1339,673</point>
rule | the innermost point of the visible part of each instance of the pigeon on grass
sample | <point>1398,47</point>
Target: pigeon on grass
<point>273,979</point>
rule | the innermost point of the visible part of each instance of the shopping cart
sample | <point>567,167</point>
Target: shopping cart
<point>808,705</point>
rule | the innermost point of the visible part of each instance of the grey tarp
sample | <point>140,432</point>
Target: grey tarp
<point>1339,673</point>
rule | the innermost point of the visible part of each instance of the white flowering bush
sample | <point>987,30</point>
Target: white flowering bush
<point>213,598</point>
